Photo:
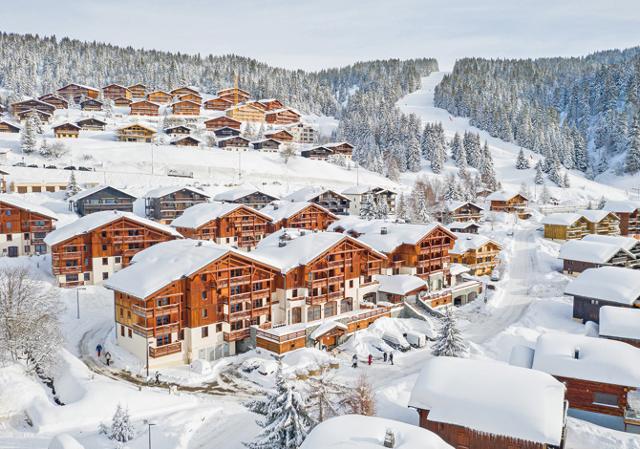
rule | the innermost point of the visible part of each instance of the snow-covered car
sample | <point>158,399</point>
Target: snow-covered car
<point>396,342</point>
<point>496,275</point>
<point>416,339</point>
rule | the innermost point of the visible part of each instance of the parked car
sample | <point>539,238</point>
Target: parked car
<point>84,168</point>
<point>70,167</point>
<point>396,342</point>
<point>33,166</point>
<point>19,164</point>
<point>50,166</point>
<point>416,339</point>
<point>496,274</point>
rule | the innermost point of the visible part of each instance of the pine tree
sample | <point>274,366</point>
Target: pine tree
<point>554,171</point>
<point>522,163</point>
<point>539,178</point>
<point>413,155</point>
<point>361,399</point>
<point>45,150</point>
<point>402,208</point>
<point>420,206</point>
<point>487,172</point>
<point>367,208</point>
<point>121,428</point>
<point>602,202</point>
<point>449,341</point>
<point>326,396</point>
<point>545,196</point>
<point>381,211</point>
<point>28,140</point>
<point>632,160</point>
<point>285,422</point>
<point>72,186</point>
<point>566,183</point>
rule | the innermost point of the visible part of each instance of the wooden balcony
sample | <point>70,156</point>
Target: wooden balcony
<point>157,330</point>
<point>240,334</point>
<point>67,255</point>
<point>77,269</point>
<point>237,297</point>
<point>159,351</point>
<point>259,311</point>
<point>159,310</point>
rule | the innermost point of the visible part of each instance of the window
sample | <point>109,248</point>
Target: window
<point>205,313</point>
<point>71,277</point>
<point>105,276</point>
<point>27,236</point>
<point>606,399</point>
<point>163,340</point>
<point>330,309</point>
<point>162,302</point>
<point>129,333</point>
<point>121,330</point>
<point>205,331</point>
<point>105,261</point>
<point>204,295</point>
<point>87,276</point>
<point>104,247</point>
<point>27,249</point>
<point>346,305</point>
<point>313,313</point>
<point>351,283</point>
<point>121,311</point>
<point>117,259</point>
<point>128,314</point>
<point>219,327</point>
<point>104,234</point>
<point>9,226</point>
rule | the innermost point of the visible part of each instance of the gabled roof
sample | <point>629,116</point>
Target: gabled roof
<point>281,210</point>
<point>185,101</point>
<point>181,138</point>
<point>158,91</point>
<point>137,85</point>
<point>277,131</point>
<point>79,85</point>
<point>462,224</point>
<point>613,284</point>
<point>224,139</point>
<point>590,252</point>
<point>34,111</point>
<point>85,193</point>
<point>201,214</point>
<point>310,192</point>
<point>35,100</point>
<point>159,265</point>
<point>596,215</point>
<point>599,359</point>
<point>455,205</point>
<point>115,85</point>
<point>470,242</point>
<point>144,101</point>
<point>223,118</point>
<point>177,127</point>
<point>91,119</point>
<point>561,219</point>
<point>96,220</point>
<point>266,140</point>
<point>362,189</point>
<point>240,192</point>
<point>10,124</point>
<point>619,322</point>
<point>503,195</point>
<point>21,204</point>
<point>163,191</point>
<point>337,144</point>
<point>491,397</point>
<point>622,206</point>
<point>399,284</point>
<point>73,125</point>
<point>91,100</point>
<point>627,243</point>
<point>130,125</point>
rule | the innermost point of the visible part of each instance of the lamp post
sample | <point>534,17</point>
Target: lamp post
<point>148,349</point>
<point>78,301</point>
<point>149,425</point>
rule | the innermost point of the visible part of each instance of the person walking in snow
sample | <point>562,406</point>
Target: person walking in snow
<point>370,359</point>
<point>99,349</point>
<point>391,358</point>
<point>354,361</point>
<point>157,375</point>
<point>107,357</point>
<point>384,357</point>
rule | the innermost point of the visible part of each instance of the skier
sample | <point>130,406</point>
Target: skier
<point>370,359</point>
<point>107,357</point>
<point>354,361</point>
<point>384,357</point>
<point>391,357</point>
<point>99,349</point>
<point>157,375</point>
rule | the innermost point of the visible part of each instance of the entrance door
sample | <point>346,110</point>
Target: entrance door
<point>13,251</point>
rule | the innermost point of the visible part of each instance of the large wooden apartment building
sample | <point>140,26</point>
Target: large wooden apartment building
<point>20,107</point>
<point>302,215</point>
<point>225,223</point>
<point>284,116</point>
<point>234,95</point>
<point>601,221</point>
<point>92,248</point>
<point>565,226</point>
<point>165,204</point>
<point>247,112</point>
<point>629,214</point>
<point>144,107</point>
<point>23,227</point>
<point>331,200</point>
<point>78,92</point>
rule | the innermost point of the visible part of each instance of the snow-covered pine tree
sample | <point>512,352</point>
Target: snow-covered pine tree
<point>28,139</point>
<point>402,208</point>
<point>545,196</point>
<point>487,171</point>
<point>539,178</point>
<point>326,396</point>
<point>554,171</point>
<point>361,401</point>
<point>420,206</point>
<point>72,186</point>
<point>413,155</point>
<point>458,154</point>
<point>367,208</point>
<point>602,202</point>
<point>285,422</point>
<point>381,211</point>
<point>121,428</point>
<point>566,183</point>
<point>632,160</point>
<point>522,163</point>
<point>44,150</point>
<point>449,341</point>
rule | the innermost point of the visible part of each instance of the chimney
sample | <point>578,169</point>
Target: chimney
<point>576,353</point>
<point>389,439</point>
<point>383,230</point>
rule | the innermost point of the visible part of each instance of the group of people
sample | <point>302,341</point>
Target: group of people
<point>107,354</point>
<point>385,357</point>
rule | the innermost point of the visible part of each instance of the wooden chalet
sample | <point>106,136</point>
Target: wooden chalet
<point>246,195</point>
<point>620,323</point>
<point>629,214</point>
<point>167,203</point>
<point>222,122</point>
<point>91,124</point>
<point>21,107</point>
<point>122,102</point>
<point>91,104</point>
<point>136,133</point>
<point>225,223</point>
<point>579,255</point>
<point>565,226</point>
<point>186,141</point>
<point>298,215</point>
<point>115,91</point>
<point>601,222</point>
<point>218,104</point>
<point>325,278</point>
<point>101,198</point>
<point>484,404</point>
<point>508,202</point>
<point>160,97</point>
<point>269,145</point>
<point>44,117</point>
<point>319,153</point>
<point>31,186</point>
<point>138,91</point>
<point>184,91</point>
<point>271,104</point>
<point>185,107</point>
<point>331,200</point>
<point>55,100</point>
<point>78,92</point>
<point>234,95</point>
<point>344,149</point>
<point>629,244</point>
<point>598,373</point>
<point>23,227</point>
<point>200,303</point>
<point>468,227</point>
<point>281,135</point>
<point>303,133</point>
<point>247,112</point>
<point>459,211</point>
<point>603,286</point>
<point>92,248</point>
<point>398,288</point>
<point>8,127</point>
<point>144,107</point>
<point>284,116</point>
<point>178,131</point>
<point>66,130</point>
<point>477,252</point>
<point>226,131</point>
<point>191,97</point>
<point>235,143</point>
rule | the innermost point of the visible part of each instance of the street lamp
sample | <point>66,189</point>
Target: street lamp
<point>78,301</point>
<point>148,349</point>
<point>149,425</point>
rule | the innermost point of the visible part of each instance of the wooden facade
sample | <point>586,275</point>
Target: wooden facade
<point>144,107</point>
<point>248,112</point>
<point>481,260</point>
<point>186,141</point>
<point>136,133</point>
<point>7,127</point>
<point>332,201</point>
<point>114,91</point>
<point>311,217</point>
<point>78,92</point>
<point>317,153</point>
<point>284,116</point>
<point>344,149</point>
<point>255,199</point>
<point>588,309</point>
<point>179,130</point>
<point>234,143</point>
<point>43,116</point>
<point>191,97</point>
<point>271,104</point>
<point>23,231</point>
<point>171,205</point>
<point>30,105</point>
<point>243,227</point>
<point>281,135</point>
<point>222,122</point>
<point>573,231</point>
<point>226,131</point>
<point>185,107</point>
<point>266,145</point>
<point>462,212</point>
<point>107,198</point>
<point>589,396</point>
<point>66,130</point>
<point>91,104</point>
<point>234,95</point>
<point>512,205</point>
<point>184,90</point>
<point>629,222</point>
<point>91,124</point>
<point>122,102</point>
<point>217,104</point>
<point>160,97</point>
<point>621,259</point>
<point>138,90</point>
<point>55,100</point>
<point>609,225</point>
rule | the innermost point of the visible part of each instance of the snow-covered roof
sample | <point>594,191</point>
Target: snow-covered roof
<point>161,264</point>
<point>162,191</point>
<point>240,192</point>
<point>454,205</point>
<point>470,242</point>
<point>613,284</point>
<point>280,210</point>
<point>88,119</point>
<point>620,322</point>
<point>10,123</point>
<point>201,214</point>
<point>362,189</point>
<point>91,191</point>
<point>84,86</point>
<point>623,242</point>
<point>310,192</point>
<point>461,224</point>
<point>73,125</point>
<point>399,284</point>
<point>141,125</point>
<point>224,139</point>
<point>18,202</point>
<point>326,327</point>
<point>599,359</point>
<point>621,206</point>
<point>99,219</point>
<point>503,195</point>
<point>491,397</point>
<point>64,441</point>
<point>457,268</point>
<point>300,247</point>
<point>595,215</point>
<point>561,219</point>
<point>368,432</point>
<point>590,252</point>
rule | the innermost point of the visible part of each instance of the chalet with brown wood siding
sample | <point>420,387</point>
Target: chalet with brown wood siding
<point>477,252</point>
<point>234,143</point>
<point>66,130</point>
<point>136,133</point>
<point>91,124</point>
<point>283,116</point>
<point>222,122</point>
<point>629,214</point>
<point>138,90</point>
<point>459,211</point>
<point>234,95</point>
<point>30,105</point>
<point>8,127</point>
<point>122,102</point>
<point>502,201</point>
<point>78,92</point>
<point>186,141</point>
<point>43,116</point>
<point>91,104</point>
<point>268,145</point>
<point>601,222</point>
<point>281,135</point>
<point>101,198</point>
<point>248,196</point>
<point>344,149</point>
<point>271,104</point>
<point>23,227</point>
<point>185,107</point>
<point>184,91</point>
<point>218,104</point>
<point>226,131</point>
<point>165,204</point>
<point>331,200</point>
<point>160,97</point>
<point>55,100</point>
<point>247,112</point>
<point>113,91</point>
<point>298,215</point>
<point>191,97</point>
<point>144,107</point>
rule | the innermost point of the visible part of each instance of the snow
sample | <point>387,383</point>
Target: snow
<point>308,193</point>
<point>367,432</point>
<point>201,214</point>
<point>399,284</point>
<point>614,284</point>
<point>561,219</point>
<point>325,327</point>
<point>280,210</point>
<point>621,206</point>
<point>97,219</point>
<point>502,195</point>
<point>587,251</point>
<point>600,359</point>
<point>470,242</point>
<point>236,194</point>
<point>19,202</point>
<point>626,243</point>
<point>64,441</point>
<point>163,191</point>
<point>491,397</point>
<point>461,224</point>
<point>457,268</point>
<point>85,193</point>
<point>620,322</point>
<point>594,215</point>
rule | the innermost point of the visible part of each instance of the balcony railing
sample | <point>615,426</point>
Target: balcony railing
<point>159,330</point>
<point>159,351</point>
<point>240,334</point>
<point>159,310</point>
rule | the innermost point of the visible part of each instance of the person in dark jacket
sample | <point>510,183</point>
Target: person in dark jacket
<point>354,361</point>
<point>99,349</point>
<point>391,358</point>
